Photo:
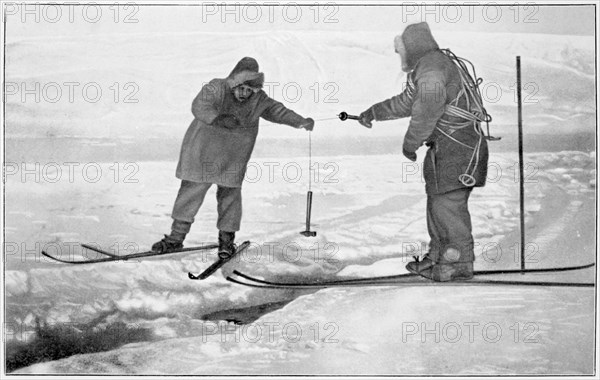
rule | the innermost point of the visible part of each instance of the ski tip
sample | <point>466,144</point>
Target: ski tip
<point>49,256</point>
<point>200,276</point>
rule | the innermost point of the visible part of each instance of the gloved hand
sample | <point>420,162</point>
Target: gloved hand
<point>308,124</point>
<point>410,155</point>
<point>226,121</point>
<point>366,117</point>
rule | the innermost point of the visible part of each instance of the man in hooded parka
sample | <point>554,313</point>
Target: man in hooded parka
<point>456,160</point>
<point>217,147</point>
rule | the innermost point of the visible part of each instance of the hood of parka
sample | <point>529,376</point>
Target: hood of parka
<point>417,41</point>
<point>246,72</point>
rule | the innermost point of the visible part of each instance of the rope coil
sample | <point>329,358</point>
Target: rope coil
<point>474,114</point>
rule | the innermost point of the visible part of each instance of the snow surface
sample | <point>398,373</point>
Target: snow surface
<point>368,211</point>
<point>366,205</point>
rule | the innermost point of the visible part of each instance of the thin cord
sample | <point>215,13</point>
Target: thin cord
<point>324,119</point>
<point>328,118</point>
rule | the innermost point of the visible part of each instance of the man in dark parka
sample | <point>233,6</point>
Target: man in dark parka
<point>217,147</point>
<point>456,160</point>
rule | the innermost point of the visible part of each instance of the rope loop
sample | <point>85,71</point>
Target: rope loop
<point>467,180</point>
<point>487,118</point>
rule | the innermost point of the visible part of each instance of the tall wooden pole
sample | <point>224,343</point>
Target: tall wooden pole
<point>521,179</point>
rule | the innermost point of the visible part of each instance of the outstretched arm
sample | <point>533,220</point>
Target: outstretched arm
<point>276,112</point>
<point>396,107</point>
<point>206,106</point>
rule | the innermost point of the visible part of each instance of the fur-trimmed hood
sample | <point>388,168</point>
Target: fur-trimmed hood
<point>418,41</point>
<point>246,72</point>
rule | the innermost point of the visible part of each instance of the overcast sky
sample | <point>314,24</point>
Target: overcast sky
<point>51,20</point>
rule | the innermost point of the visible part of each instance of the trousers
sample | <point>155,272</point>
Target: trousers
<point>449,227</point>
<point>191,196</point>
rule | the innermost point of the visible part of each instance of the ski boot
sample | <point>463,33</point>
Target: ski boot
<point>441,272</point>
<point>449,272</point>
<point>167,245</point>
<point>226,246</point>
<point>419,266</point>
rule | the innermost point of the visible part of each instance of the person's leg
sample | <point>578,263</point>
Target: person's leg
<point>189,199</point>
<point>229,200</point>
<point>188,202</point>
<point>432,256</point>
<point>433,228</point>
<point>451,216</point>
<point>229,207</point>
<point>451,212</point>
<point>449,225</point>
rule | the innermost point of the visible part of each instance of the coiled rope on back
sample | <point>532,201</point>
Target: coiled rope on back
<point>472,115</point>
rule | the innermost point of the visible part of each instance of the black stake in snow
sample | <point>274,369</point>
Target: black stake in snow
<point>521,184</point>
<point>308,232</point>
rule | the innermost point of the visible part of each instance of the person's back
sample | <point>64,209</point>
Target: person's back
<point>444,115</point>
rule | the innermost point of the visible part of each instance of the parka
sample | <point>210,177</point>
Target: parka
<point>215,154</point>
<point>432,85</point>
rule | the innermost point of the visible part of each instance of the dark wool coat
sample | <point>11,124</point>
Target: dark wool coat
<point>437,83</point>
<point>219,155</point>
